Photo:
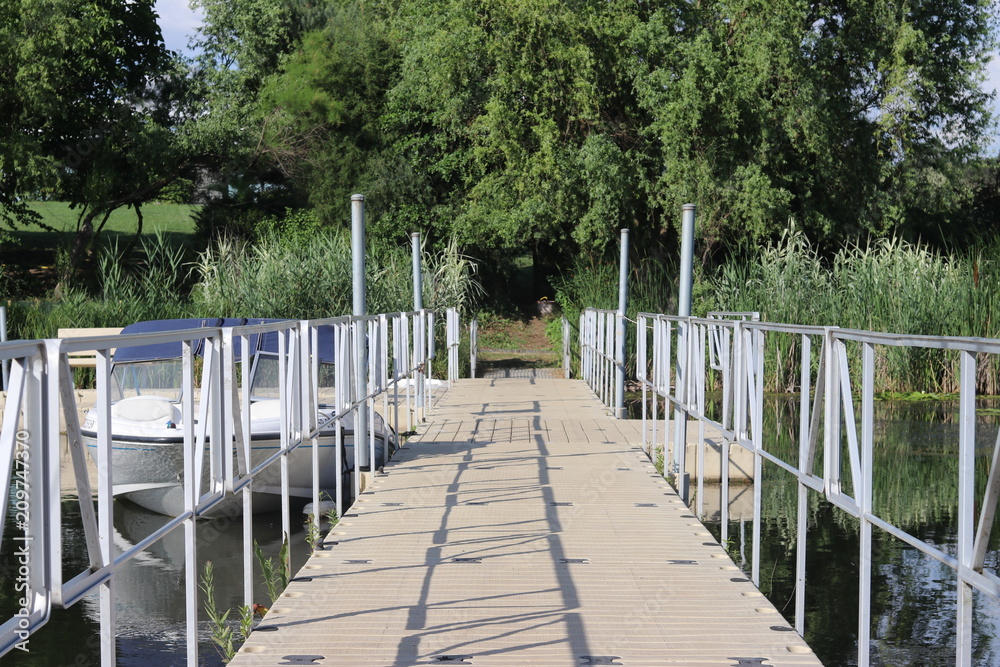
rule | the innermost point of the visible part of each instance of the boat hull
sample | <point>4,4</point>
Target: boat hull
<point>149,471</point>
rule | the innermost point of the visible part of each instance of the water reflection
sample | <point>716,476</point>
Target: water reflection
<point>915,486</point>
<point>149,589</point>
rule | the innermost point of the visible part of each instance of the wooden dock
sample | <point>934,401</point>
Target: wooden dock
<point>522,526</point>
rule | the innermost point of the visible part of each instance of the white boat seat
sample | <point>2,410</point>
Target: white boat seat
<point>143,409</point>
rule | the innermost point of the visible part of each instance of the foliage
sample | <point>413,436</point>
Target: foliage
<point>130,291</point>
<point>829,112</point>
<point>450,279</point>
<point>72,80</point>
<point>275,575</point>
<point>222,632</point>
<point>96,112</point>
<point>861,288</point>
<point>180,191</point>
<point>546,126</point>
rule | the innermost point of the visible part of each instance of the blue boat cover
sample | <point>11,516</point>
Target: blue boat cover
<point>161,351</point>
<point>267,343</point>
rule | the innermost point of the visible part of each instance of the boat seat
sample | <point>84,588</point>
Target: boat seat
<point>144,408</point>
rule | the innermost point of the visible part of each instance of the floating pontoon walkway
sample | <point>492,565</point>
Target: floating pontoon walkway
<point>522,526</point>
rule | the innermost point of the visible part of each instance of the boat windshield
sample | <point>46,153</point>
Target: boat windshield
<point>147,378</point>
<point>265,379</point>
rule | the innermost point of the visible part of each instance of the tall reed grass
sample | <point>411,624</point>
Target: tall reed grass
<point>886,285</point>
<point>129,291</point>
<point>593,283</point>
<point>279,276</point>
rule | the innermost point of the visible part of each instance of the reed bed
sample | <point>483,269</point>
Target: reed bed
<point>286,276</point>
<point>887,285</point>
<point>592,283</point>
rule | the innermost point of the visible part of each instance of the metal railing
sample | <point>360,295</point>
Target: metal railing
<point>473,346</point>
<point>567,350</point>
<point>454,334</point>
<point>217,465</point>
<point>598,343</point>
<point>683,360</point>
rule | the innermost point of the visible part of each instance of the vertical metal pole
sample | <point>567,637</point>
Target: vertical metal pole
<point>567,370</point>
<point>360,309</point>
<point>190,502</point>
<point>105,518</point>
<point>3,339</point>
<point>640,373</point>
<point>802,518</point>
<point>384,337</point>
<point>756,373</point>
<point>451,332</point>
<point>620,332</point>
<point>863,493</point>
<point>358,254</point>
<point>966,505</point>
<point>429,332</point>
<point>418,305</point>
<point>473,346</point>
<point>309,380</point>
<point>418,279</point>
<point>687,260</point>
<point>683,310</point>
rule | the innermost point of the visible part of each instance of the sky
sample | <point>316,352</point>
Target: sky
<point>178,23</point>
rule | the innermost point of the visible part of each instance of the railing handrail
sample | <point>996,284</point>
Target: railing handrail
<point>399,346</point>
<point>674,356</point>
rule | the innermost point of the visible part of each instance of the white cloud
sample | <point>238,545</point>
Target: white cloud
<point>178,22</point>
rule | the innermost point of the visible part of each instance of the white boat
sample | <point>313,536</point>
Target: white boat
<point>147,423</point>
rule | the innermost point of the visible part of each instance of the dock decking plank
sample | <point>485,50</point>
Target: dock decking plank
<point>522,526</point>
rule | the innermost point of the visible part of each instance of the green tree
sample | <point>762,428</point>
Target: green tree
<point>517,110</point>
<point>825,112</point>
<point>240,45</point>
<point>71,73</point>
<point>548,125</point>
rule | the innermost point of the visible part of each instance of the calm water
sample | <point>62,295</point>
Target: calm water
<point>150,591</point>
<point>913,596</point>
<point>913,608</point>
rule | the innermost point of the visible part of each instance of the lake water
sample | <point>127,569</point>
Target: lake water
<point>150,591</point>
<point>913,608</point>
<point>913,595</point>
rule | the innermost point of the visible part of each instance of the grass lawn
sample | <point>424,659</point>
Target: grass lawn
<point>173,219</point>
<point>29,263</point>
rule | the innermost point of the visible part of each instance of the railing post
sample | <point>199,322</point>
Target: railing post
<point>567,370</point>
<point>190,502</point>
<point>966,505</point>
<point>431,352</point>
<point>5,364</point>
<point>360,309</point>
<point>105,516</point>
<point>419,360</point>
<point>620,329</point>
<point>641,353</point>
<point>473,346</point>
